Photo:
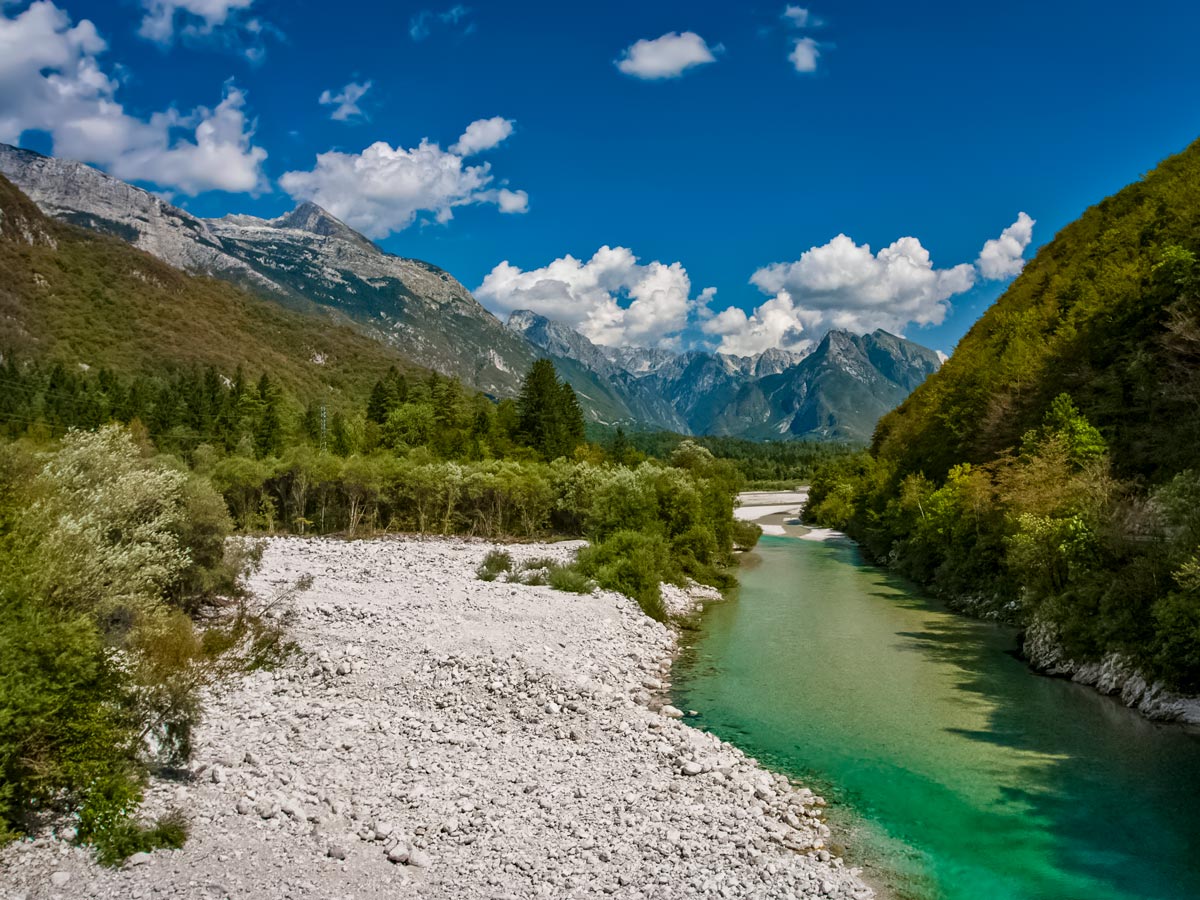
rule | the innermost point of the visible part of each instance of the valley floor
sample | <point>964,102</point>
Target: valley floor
<point>494,740</point>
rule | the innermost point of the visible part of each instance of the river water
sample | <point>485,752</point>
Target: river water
<point>953,771</point>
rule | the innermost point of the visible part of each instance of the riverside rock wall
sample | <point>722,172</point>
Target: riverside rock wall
<point>1112,675</point>
<point>444,737</point>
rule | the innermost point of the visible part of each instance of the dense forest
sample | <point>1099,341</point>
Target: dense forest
<point>1049,473</point>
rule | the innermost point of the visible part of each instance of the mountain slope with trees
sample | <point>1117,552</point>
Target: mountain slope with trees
<point>87,300</point>
<point>1050,472</point>
<point>310,262</point>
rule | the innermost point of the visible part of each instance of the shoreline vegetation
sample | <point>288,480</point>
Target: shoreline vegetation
<point>1047,474</point>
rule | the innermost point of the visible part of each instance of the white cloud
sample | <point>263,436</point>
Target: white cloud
<point>668,56</point>
<point>612,299</point>
<point>844,285</point>
<point>776,323</point>
<point>51,80</point>
<point>804,55</point>
<point>512,201</point>
<point>223,21</point>
<point>1001,257</point>
<point>383,189</point>
<point>483,134</point>
<point>200,16</point>
<point>796,16</point>
<point>346,101</point>
<point>421,25</point>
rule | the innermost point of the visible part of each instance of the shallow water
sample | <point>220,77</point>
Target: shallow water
<point>955,769</point>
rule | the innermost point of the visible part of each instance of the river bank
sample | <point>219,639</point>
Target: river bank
<point>440,736</point>
<point>779,514</point>
<point>953,770</point>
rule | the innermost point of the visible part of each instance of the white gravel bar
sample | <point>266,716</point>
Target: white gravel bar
<point>445,737</point>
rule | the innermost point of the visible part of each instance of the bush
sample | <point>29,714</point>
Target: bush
<point>745,534</point>
<point>565,578</point>
<point>634,564</point>
<point>106,555</point>
<point>493,564</point>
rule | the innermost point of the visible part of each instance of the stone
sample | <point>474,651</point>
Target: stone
<point>671,712</point>
<point>383,830</point>
<point>268,809</point>
<point>691,767</point>
<point>419,858</point>
<point>60,879</point>
<point>335,851</point>
<point>292,808</point>
<point>138,859</point>
<point>399,853</point>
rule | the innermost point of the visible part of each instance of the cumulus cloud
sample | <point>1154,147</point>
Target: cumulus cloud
<point>1002,257</point>
<point>483,134</point>
<point>345,101</point>
<point>383,189</point>
<point>52,81</point>
<point>845,285</point>
<point>668,56</point>
<point>512,201</point>
<point>612,298</point>
<point>804,55</point>
<point>796,16</point>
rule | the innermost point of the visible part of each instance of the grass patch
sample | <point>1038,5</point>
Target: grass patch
<point>496,562</point>
<point>119,842</point>
<point>565,578</point>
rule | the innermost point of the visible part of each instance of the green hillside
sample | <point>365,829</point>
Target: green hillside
<point>76,297</point>
<point>1049,472</point>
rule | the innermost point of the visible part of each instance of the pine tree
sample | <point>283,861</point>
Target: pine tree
<point>549,418</point>
<point>382,400</point>
<point>269,431</point>
<point>570,417</point>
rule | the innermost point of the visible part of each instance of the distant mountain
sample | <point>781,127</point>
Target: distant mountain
<point>305,259</point>
<point>77,297</point>
<point>310,262</point>
<point>836,392</point>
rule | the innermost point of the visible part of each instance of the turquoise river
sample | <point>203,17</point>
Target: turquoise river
<point>952,770</point>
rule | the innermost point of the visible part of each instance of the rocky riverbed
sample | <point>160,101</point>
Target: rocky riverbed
<point>444,737</point>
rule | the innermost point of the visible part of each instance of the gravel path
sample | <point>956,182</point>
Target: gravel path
<point>443,737</point>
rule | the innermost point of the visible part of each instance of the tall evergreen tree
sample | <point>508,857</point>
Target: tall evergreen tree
<point>549,418</point>
<point>269,431</point>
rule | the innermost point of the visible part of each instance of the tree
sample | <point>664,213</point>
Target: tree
<point>549,418</point>
<point>269,431</point>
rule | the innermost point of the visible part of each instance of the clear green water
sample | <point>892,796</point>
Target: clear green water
<point>953,767</point>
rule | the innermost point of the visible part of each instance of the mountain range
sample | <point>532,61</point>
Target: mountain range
<point>315,265</point>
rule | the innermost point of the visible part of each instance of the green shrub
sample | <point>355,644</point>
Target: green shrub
<point>493,564</point>
<point>106,555</point>
<point>634,564</point>
<point>745,534</point>
<point>565,578</point>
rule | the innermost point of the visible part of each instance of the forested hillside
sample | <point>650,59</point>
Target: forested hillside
<point>1050,471</point>
<point>87,300</point>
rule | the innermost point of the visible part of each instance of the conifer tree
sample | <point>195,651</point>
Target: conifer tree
<point>549,418</point>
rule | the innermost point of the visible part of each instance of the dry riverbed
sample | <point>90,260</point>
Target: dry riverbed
<point>778,513</point>
<point>444,737</point>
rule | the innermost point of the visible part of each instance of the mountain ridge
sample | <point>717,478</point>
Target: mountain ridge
<point>312,262</point>
<point>837,391</point>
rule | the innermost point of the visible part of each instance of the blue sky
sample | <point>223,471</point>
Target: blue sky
<point>933,125</point>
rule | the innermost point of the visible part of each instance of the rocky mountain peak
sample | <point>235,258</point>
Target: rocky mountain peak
<point>316,220</point>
